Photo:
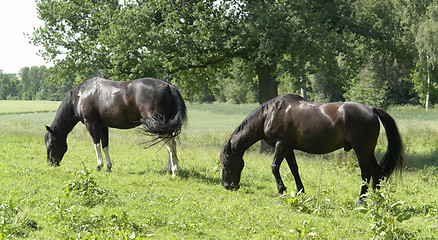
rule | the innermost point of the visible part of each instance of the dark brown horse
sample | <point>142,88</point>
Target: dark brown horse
<point>99,104</point>
<point>289,122</point>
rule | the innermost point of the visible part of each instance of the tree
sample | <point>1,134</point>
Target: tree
<point>239,85</point>
<point>380,54</point>
<point>31,80</point>
<point>8,86</point>
<point>184,41</point>
<point>427,43</point>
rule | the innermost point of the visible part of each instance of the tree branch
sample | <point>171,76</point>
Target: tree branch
<point>209,62</point>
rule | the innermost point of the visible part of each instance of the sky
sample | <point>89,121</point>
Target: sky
<point>16,18</point>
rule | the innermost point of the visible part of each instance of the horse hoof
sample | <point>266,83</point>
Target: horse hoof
<point>361,202</point>
<point>108,170</point>
<point>98,168</point>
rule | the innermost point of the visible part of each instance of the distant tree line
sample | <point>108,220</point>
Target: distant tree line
<point>32,83</point>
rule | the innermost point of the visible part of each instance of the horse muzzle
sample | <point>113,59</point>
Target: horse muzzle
<point>52,162</point>
<point>231,187</point>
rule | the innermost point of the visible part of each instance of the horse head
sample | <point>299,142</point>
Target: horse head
<point>56,146</point>
<point>232,166</point>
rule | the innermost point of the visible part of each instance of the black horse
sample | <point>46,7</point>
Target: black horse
<point>99,103</point>
<point>290,122</point>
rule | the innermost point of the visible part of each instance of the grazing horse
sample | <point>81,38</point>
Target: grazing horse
<point>290,122</point>
<point>99,104</point>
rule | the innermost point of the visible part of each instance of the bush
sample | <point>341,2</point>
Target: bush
<point>86,188</point>
<point>385,214</point>
<point>366,89</point>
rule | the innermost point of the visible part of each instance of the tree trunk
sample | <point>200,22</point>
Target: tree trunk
<point>428,85</point>
<point>268,89</point>
<point>303,87</point>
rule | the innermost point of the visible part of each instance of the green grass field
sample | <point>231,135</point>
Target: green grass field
<point>139,200</point>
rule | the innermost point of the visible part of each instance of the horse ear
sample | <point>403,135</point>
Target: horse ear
<point>228,147</point>
<point>49,129</point>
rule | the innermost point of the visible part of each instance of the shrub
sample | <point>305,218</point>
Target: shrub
<point>385,214</point>
<point>86,188</point>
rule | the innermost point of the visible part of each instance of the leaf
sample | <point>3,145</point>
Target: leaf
<point>404,216</point>
<point>363,209</point>
<point>396,205</point>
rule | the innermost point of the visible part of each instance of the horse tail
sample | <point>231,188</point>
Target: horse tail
<point>179,116</point>
<point>157,125</point>
<point>393,159</point>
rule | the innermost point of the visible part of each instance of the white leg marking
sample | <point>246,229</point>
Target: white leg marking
<point>99,156</point>
<point>109,164</point>
<point>172,165</point>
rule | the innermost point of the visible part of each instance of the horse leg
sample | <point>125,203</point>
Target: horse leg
<point>275,167</point>
<point>368,168</point>
<point>293,166</point>
<point>375,172</point>
<point>172,165</point>
<point>105,143</point>
<point>95,134</point>
<point>98,150</point>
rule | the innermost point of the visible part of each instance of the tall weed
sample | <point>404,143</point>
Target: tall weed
<point>86,189</point>
<point>386,214</point>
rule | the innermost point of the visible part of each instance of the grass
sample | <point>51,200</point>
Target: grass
<point>17,106</point>
<point>139,200</point>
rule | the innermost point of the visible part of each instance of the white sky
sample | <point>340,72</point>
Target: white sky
<point>16,18</point>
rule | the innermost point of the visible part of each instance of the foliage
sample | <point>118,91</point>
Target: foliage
<point>429,174</point>
<point>367,90</point>
<point>419,79</point>
<point>426,36</point>
<point>385,214</point>
<point>8,86</point>
<point>324,46</point>
<point>15,223</point>
<point>239,86</point>
<point>306,231</point>
<point>298,202</point>
<point>72,212</point>
<point>86,188</point>
<point>34,83</point>
<point>187,41</point>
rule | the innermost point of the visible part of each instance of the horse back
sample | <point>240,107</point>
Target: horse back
<point>120,104</point>
<point>318,127</point>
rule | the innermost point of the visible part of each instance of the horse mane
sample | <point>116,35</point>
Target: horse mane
<point>65,118</point>
<point>254,116</point>
<point>251,118</point>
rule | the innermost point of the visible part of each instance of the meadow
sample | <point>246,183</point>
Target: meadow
<point>140,200</point>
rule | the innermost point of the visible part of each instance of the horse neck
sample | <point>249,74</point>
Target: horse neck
<point>248,133</point>
<point>65,119</point>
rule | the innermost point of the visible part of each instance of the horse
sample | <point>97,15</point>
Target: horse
<point>289,122</point>
<point>101,104</point>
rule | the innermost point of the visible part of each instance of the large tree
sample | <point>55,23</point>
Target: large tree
<point>187,40</point>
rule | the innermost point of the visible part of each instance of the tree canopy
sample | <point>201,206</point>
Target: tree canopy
<point>370,51</point>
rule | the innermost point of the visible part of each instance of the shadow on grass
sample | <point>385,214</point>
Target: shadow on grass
<point>137,173</point>
<point>412,161</point>
<point>185,174</point>
<point>197,175</point>
<point>417,161</point>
